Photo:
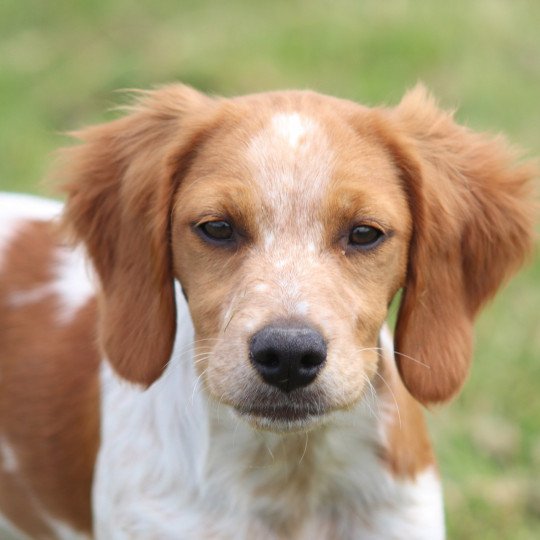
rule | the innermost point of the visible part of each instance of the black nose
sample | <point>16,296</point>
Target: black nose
<point>287,356</point>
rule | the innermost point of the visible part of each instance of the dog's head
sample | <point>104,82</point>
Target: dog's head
<point>291,220</point>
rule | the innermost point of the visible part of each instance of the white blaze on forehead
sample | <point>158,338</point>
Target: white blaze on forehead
<point>292,127</point>
<point>292,160</point>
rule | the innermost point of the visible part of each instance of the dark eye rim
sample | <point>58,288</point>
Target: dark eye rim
<point>381,237</point>
<point>200,230</point>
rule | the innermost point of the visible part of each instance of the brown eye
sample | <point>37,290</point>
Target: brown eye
<point>365,236</point>
<point>220,231</point>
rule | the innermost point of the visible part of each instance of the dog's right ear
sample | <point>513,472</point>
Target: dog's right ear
<point>120,184</point>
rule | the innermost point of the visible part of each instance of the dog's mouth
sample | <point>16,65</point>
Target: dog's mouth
<point>283,418</point>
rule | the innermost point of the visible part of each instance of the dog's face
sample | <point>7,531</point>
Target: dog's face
<point>290,230</point>
<point>291,219</point>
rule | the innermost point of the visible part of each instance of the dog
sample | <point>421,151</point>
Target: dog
<point>194,345</point>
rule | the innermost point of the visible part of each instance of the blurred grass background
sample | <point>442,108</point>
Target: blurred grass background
<point>61,61</point>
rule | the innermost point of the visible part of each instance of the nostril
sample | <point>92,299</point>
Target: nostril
<point>312,360</point>
<point>269,359</point>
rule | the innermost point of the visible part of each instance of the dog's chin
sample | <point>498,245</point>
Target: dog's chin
<point>285,420</point>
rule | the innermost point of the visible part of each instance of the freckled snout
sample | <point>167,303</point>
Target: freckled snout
<point>287,356</point>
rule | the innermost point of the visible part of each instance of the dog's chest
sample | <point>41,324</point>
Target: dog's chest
<point>327,484</point>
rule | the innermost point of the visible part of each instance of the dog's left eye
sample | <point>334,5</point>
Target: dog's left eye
<point>365,236</point>
<point>217,230</point>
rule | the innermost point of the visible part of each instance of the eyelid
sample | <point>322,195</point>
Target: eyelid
<point>371,222</point>
<point>200,220</point>
<point>240,234</point>
<point>350,224</point>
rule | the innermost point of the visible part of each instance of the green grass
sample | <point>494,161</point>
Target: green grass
<point>61,61</point>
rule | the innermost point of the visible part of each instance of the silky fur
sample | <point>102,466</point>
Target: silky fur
<point>193,443</point>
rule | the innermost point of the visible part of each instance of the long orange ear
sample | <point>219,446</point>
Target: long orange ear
<point>472,221</point>
<point>119,185</point>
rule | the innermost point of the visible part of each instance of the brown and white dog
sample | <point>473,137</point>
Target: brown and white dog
<point>210,359</point>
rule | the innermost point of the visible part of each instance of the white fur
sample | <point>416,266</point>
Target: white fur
<point>292,127</point>
<point>291,155</point>
<point>302,308</point>
<point>16,208</point>
<point>385,338</point>
<point>10,463</point>
<point>269,240</point>
<point>74,284</point>
<point>250,326</point>
<point>22,206</point>
<point>32,296</point>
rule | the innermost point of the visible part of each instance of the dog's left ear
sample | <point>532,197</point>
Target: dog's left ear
<point>472,228</point>
<point>120,184</point>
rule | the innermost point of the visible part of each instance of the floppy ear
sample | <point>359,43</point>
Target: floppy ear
<point>472,228</point>
<point>120,184</point>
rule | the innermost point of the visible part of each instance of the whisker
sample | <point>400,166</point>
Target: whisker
<point>235,431</point>
<point>393,397</point>
<point>235,311</point>
<point>195,386</point>
<point>373,394</point>
<point>413,359</point>
<point>395,352</point>
<point>268,449</point>
<point>217,407</point>
<point>201,357</point>
<point>305,448</point>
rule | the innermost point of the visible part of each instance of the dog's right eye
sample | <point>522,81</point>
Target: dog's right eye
<point>220,231</point>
